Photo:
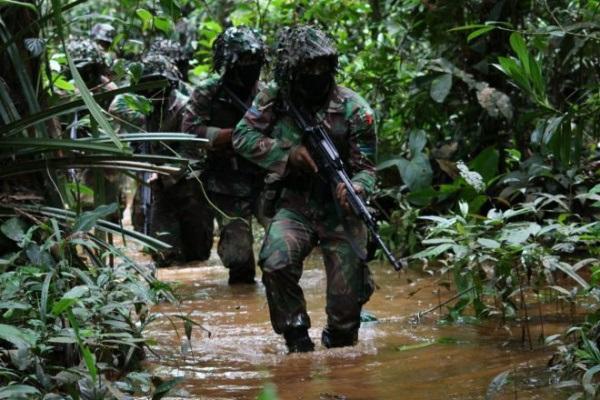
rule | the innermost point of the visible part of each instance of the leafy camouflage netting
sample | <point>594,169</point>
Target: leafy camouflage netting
<point>232,43</point>
<point>160,66</point>
<point>85,52</point>
<point>103,33</point>
<point>170,49</point>
<point>297,45</point>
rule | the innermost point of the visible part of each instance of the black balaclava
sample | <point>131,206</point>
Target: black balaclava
<point>313,82</point>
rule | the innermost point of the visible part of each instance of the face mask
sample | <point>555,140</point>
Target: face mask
<point>314,87</point>
<point>246,75</point>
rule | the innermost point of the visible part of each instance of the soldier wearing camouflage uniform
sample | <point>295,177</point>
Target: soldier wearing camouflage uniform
<point>89,60</point>
<point>309,213</point>
<point>232,183</point>
<point>103,34</point>
<point>176,214</point>
<point>174,51</point>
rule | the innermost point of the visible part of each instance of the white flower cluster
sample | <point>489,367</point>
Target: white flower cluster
<point>473,179</point>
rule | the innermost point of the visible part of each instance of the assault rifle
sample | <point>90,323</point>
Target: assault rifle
<point>331,167</point>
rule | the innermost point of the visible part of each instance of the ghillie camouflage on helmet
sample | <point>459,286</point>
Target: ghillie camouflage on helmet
<point>160,66</point>
<point>232,43</point>
<point>103,33</point>
<point>170,49</point>
<point>296,45</point>
<point>85,52</point>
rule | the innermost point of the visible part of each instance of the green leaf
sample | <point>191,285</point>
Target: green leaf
<point>19,4</point>
<point>76,292</point>
<point>18,392</point>
<point>64,85</point>
<point>416,173</point>
<point>520,48</point>
<point>486,163</point>
<point>146,18</point>
<point>481,31</point>
<point>432,251</point>
<point>44,296</point>
<point>88,357</point>
<point>587,380</point>
<point>40,144</point>
<point>91,104</point>
<point>14,229</point>
<point>567,269</point>
<point>62,305</point>
<point>488,243</point>
<point>13,305</point>
<point>171,8</point>
<point>87,220</point>
<point>16,336</point>
<point>163,24</point>
<point>440,88</point>
<point>417,139</point>
<point>164,388</point>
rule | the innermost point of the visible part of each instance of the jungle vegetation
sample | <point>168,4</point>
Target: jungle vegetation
<point>489,157</point>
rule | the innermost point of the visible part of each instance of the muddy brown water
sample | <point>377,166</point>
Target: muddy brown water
<point>396,358</point>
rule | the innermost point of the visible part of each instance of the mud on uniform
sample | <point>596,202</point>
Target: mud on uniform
<point>231,182</point>
<point>307,213</point>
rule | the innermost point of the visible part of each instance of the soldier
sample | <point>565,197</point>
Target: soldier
<point>174,51</point>
<point>232,183</point>
<point>308,212</point>
<point>172,210</point>
<point>103,34</point>
<point>91,64</point>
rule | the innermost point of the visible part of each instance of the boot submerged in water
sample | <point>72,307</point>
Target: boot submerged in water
<point>298,341</point>
<point>335,338</point>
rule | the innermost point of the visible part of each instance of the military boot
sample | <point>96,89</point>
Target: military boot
<point>241,276</point>
<point>336,338</point>
<point>298,341</point>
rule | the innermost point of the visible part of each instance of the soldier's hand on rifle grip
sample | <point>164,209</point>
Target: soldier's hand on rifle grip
<point>342,195</point>
<point>223,139</point>
<point>300,158</point>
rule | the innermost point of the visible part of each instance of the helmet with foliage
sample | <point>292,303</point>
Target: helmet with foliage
<point>157,65</point>
<point>232,43</point>
<point>85,52</point>
<point>103,33</point>
<point>170,49</point>
<point>297,45</point>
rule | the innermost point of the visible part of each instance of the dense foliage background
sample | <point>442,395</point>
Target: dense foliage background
<point>488,116</point>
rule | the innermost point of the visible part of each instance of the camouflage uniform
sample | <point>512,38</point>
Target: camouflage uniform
<point>103,35</point>
<point>307,213</point>
<point>232,183</point>
<point>177,213</point>
<point>173,51</point>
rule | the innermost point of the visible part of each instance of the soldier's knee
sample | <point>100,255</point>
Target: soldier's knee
<point>272,261</point>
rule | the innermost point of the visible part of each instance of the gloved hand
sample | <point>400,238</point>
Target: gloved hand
<point>300,158</point>
<point>223,139</point>
<point>342,194</point>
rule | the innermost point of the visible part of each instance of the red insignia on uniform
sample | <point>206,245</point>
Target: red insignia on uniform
<point>369,118</point>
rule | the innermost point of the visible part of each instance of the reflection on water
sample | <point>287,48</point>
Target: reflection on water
<point>395,358</point>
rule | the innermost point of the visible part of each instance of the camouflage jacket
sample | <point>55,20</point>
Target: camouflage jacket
<point>211,109</point>
<point>266,135</point>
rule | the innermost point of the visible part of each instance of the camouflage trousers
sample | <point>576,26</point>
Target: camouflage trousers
<point>289,240</point>
<point>180,217</point>
<point>235,237</point>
